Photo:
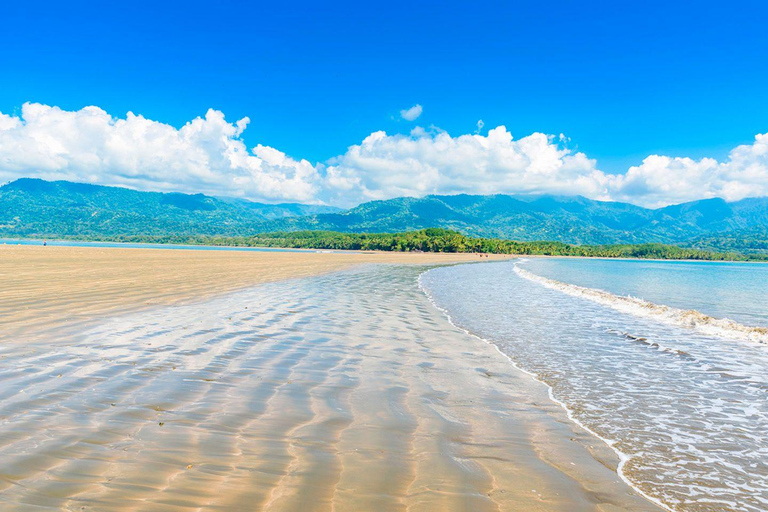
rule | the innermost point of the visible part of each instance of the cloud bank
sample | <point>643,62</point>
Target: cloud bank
<point>422,163</point>
<point>209,155</point>
<point>205,155</point>
<point>663,180</point>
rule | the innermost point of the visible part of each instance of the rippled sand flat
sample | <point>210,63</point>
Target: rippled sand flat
<point>47,288</point>
<point>346,391</point>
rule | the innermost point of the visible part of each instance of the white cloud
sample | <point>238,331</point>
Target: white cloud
<point>663,180</point>
<point>433,162</point>
<point>208,155</point>
<point>205,155</point>
<point>411,114</point>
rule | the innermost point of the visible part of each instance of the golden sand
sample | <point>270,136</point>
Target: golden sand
<point>347,392</point>
<point>45,287</point>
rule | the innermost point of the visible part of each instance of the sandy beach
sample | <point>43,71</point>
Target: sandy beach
<point>192,380</point>
<point>49,288</point>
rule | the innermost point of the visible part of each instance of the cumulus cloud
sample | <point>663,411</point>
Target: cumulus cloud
<point>209,155</point>
<point>205,155</point>
<point>411,114</point>
<point>433,162</point>
<point>662,180</point>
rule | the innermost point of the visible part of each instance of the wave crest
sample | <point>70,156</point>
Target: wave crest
<point>722,327</point>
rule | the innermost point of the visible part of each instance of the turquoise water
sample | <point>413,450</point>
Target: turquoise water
<point>75,243</point>
<point>738,291</point>
<point>686,411</point>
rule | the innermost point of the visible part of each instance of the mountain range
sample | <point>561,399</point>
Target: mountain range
<point>37,208</point>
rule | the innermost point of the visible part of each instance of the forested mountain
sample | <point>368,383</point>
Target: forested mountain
<point>561,218</point>
<point>746,241</point>
<point>32,207</point>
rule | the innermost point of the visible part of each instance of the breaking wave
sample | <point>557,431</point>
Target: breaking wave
<point>721,327</point>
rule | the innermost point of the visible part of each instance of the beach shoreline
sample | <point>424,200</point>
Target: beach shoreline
<point>59,287</point>
<point>243,248</point>
<point>438,419</point>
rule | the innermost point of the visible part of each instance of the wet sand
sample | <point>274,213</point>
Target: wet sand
<point>47,288</point>
<point>344,391</point>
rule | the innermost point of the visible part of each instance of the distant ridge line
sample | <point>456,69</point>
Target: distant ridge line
<point>35,207</point>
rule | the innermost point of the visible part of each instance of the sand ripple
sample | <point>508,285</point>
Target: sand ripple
<point>342,392</point>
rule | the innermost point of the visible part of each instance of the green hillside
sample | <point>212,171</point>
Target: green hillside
<point>567,219</point>
<point>36,208</point>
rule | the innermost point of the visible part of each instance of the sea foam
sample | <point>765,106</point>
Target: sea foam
<point>721,327</point>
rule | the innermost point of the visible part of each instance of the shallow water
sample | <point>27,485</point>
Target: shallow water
<point>721,289</point>
<point>347,391</point>
<point>688,411</point>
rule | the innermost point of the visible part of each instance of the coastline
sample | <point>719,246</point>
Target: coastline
<point>74,242</point>
<point>671,260</point>
<point>611,444</point>
<point>49,288</point>
<point>689,318</point>
<point>639,375</point>
<point>396,409</point>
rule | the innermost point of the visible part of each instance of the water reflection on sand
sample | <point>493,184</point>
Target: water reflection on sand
<point>347,391</point>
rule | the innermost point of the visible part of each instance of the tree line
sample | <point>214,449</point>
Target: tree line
<point>440,240</point>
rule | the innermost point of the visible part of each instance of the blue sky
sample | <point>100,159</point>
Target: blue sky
<point>621,80</point>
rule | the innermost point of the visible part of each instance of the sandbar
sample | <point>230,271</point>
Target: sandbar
<point>192,380</point>
<point>48,288</point>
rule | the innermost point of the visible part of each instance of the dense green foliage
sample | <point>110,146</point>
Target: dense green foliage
<point>748,241</point>
<point>36,209</point>
<point>444,240</point>
<point>575,220</point>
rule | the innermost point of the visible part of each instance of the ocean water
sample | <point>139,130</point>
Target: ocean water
<point>685,407</point>
<point>345,391</point>
<point>720,289</point>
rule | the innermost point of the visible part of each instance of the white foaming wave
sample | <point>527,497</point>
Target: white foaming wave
<point>721,327</point>
<point>624,458</point>
<point>652,344</point>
